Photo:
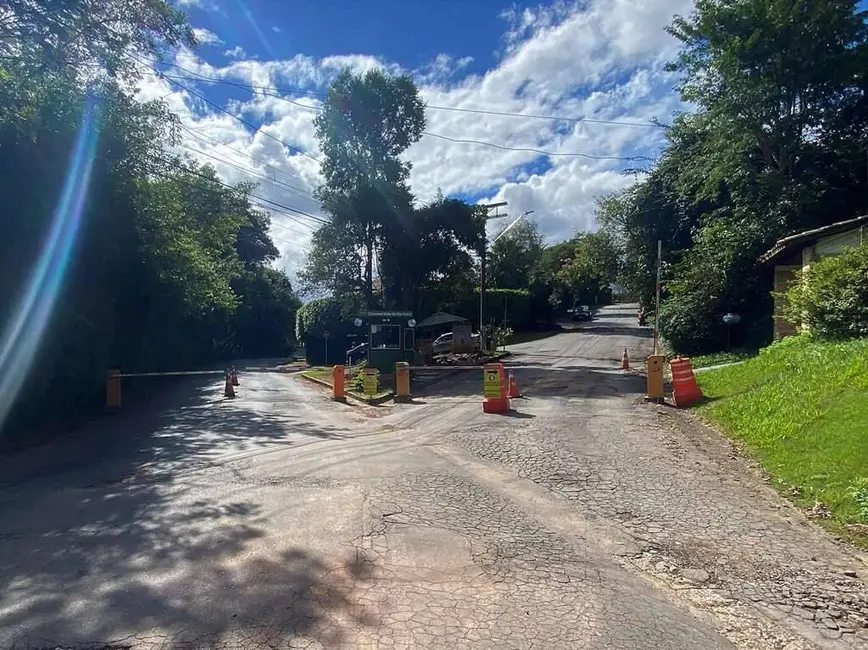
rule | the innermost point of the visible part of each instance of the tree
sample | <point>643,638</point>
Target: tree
<point>513,257</point>
<point>366,123</point>
<point>591,268</point>
<point>435,243</point>
<point>167,266</point>
<point>776,146</point>
<point>78,33</point>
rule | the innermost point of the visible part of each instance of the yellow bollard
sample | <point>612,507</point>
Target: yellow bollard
<point>113,389</point>
<point>371,383</point>
<point>402,381</point>
<point>654,381</point>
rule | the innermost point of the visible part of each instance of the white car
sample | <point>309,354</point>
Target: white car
<point>443,343</point>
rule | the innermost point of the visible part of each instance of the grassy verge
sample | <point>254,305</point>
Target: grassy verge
<point>323,373</point>
<point>720,358</point>
<point>801,408</point>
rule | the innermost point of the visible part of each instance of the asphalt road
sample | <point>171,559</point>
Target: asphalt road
<point>585,519</point>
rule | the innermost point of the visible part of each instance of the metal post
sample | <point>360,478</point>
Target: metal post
<point>482,300</point>
<point>657,305</point>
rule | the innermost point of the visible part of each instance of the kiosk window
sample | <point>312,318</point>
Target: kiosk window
<point>386,336</point>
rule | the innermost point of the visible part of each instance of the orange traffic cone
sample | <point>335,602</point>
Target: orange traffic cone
<point>513,387</point>
<point>229,389</point>
<point>625,361</point>
<point>234,376</point>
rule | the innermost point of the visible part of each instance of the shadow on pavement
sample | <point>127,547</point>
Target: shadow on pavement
<point>536,380</point>
<point>97,540</point>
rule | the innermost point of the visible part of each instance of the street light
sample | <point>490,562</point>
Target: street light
<point>482,271</point>
<point>515,221</point>
<point>482,339</point>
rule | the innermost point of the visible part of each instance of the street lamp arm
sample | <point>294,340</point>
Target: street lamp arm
<point>514,221</point>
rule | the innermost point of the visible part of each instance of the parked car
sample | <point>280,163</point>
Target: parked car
<point>582,313</point>
<point>357,354</point>
<point>443,343</point>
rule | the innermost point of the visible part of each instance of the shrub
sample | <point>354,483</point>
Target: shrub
<point>831,297</point>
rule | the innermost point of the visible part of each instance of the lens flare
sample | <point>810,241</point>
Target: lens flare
<point>27,324</point>
<point>248,15</point>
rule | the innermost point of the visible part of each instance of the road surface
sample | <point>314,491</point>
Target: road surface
<point>585,519</point>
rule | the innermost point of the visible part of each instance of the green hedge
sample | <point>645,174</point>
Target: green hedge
<point>317,315</point>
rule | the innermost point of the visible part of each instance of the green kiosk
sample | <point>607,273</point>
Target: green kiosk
<point>391,338</point>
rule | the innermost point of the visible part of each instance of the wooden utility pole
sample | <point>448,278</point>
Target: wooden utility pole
<point>483,253</point>
<point>657,298</point>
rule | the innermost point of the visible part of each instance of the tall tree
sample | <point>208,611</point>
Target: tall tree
<point>513,257</point>
<point>78,33</point>
<point>776,145</point>
<point>436,242</point>
<point>367,122</point>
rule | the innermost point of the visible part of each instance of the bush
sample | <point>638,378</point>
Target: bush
<point>831,297</point>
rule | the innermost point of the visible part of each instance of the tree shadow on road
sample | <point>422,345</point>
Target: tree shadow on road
<point>98,540</point>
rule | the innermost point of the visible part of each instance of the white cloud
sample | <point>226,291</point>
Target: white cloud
<point>236,52</point>
<point>206,37</point>
<point>442,69</point>
<point>599,59</point>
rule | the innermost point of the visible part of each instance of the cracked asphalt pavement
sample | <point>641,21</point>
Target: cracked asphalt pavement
<point>585,519</point>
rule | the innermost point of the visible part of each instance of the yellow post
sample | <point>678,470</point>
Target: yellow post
<point>113,389</point>
<point>371,382</point>
<point>402,381</point>
<point>654,371</point>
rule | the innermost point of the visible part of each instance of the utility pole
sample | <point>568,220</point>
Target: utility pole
<point>657,299</point>
<point>483,254</point>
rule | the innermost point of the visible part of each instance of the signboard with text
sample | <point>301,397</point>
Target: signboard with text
<point>492,381</point>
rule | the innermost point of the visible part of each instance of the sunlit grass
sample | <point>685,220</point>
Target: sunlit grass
<point>720,358</point>
<point>801,407</point>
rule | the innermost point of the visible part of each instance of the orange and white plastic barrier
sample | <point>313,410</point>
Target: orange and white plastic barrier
<point>685,390</point>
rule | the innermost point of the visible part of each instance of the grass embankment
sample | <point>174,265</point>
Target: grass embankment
<point>324,373</point>
<point>721,358</point>
<point>801,408</point>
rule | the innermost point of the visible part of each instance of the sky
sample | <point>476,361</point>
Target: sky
<point>596,65</point>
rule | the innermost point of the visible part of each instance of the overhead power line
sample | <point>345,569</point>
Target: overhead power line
<point>250,125</point>
<point>479,111</point>
<point>252,173</point>
<point>201,136</point>
<point>531,150</point>
<point>574,154</point>
<point>252,195</point>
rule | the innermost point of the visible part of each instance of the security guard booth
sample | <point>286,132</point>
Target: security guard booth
<point>391,338</point>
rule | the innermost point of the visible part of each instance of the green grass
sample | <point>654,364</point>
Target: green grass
<point>323,373</point>
<point>720,358</point>
<point>801,408</point>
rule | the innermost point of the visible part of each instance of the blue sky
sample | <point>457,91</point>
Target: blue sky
<point>599,64</point>
<point>409,32</point>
